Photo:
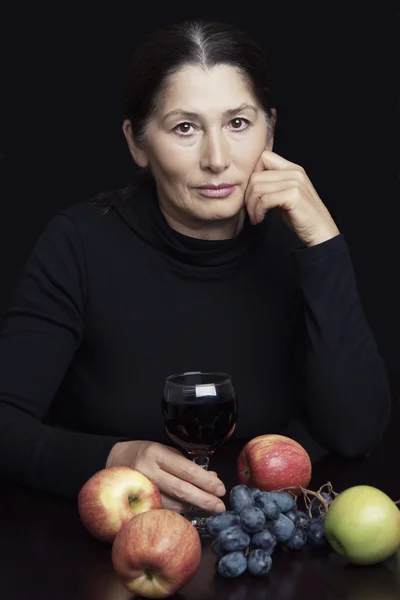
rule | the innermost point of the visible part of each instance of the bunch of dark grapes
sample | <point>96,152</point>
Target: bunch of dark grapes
<point>247,535</point>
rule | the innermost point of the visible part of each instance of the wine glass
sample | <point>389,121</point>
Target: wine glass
<point>200,413</point>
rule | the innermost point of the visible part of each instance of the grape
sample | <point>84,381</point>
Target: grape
<point>327,497</point>
<point>252,519</point>
<point>315,533</point>
<point>216,523</point>
<point>259,563</point>
<point>232,565</point>
<point>298,539</point>
<point>317,508</point>
<point>217,549</point>
<point>258,521</point>
<point>240,498</point>
<point>315,504</point>
<point>284,500</point>
<point>234,538</point>
<point>255,492</point>
<point>303,519</point>
<point>263,540</point>
<point>267,505</point>
<point>293,516</point>
<point>282,528</point>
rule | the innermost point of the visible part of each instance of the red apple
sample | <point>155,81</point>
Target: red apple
<point>271,462</point>
<point>156,553</point>
<point>112,496</point>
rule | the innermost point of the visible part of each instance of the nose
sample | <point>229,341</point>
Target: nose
<point>215,153</point>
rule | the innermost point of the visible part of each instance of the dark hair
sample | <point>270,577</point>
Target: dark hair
<point>198,43</point>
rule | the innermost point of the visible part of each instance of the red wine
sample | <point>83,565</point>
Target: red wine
<point>200,425</point>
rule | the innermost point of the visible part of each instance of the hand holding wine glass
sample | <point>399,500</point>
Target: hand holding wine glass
<point>180,481</point>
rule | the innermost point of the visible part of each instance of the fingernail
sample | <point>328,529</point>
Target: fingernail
<point>220,507</point>
<point>221,491</point>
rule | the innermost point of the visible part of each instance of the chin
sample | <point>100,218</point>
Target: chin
<point>217,211</point>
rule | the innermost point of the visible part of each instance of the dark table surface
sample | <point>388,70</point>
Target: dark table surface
<point>47,554</point>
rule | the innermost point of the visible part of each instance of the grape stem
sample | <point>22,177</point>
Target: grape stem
<point>307,493</point>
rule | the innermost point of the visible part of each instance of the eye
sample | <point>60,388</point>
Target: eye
<point>239,124</point>
<point>238,121</point>
<point>183,129</point>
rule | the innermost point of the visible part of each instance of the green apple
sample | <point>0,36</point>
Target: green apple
<point>363,524</point>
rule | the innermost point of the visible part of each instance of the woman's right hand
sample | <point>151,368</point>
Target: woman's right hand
<point>181,482</point>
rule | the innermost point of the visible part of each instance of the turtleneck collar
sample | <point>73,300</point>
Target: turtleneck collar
<point>210,258</point>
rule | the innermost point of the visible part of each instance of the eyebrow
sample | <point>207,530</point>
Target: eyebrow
<point>230,112</point>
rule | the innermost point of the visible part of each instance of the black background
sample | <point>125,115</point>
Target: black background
<point>334,74</point>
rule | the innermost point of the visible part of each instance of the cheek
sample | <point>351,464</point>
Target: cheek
<point>252,148</point>
<point>175,160</point>
<point>247,154</point>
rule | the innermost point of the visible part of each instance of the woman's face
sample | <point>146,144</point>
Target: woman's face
<point>207,130</point>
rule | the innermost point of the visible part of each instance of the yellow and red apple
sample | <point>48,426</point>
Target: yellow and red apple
<point>157,553</point>
<point>112,496</point>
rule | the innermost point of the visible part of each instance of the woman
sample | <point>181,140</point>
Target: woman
<point>222,257</point>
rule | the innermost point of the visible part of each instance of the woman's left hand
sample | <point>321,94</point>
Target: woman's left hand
<point>278,183</point>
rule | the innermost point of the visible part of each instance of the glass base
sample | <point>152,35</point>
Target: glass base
<point>198,518</point>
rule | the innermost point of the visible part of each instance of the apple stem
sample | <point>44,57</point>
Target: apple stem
<point>397,501</point>
<point>307,493</point>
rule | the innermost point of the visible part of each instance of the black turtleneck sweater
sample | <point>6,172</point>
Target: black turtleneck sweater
<point>108,305</point>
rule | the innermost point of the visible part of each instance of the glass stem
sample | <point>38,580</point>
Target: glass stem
<point>202,461</point>
<point>195,515</point>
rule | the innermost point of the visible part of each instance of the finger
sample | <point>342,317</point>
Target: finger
<point>174,504</point>
<point>267,202</point>
<point>214,473</point>
<point>186,469</point>
<point>272,161</point>
<point>181,490</point>
<point>260,198</point>
<point>275,175</point>
<point>263,183</point>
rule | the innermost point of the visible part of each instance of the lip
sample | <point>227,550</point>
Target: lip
<point>217,191</point>
<point>212,186</point>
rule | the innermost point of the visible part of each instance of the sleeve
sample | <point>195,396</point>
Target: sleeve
<point>347,398</point>
<point>42,331</point>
